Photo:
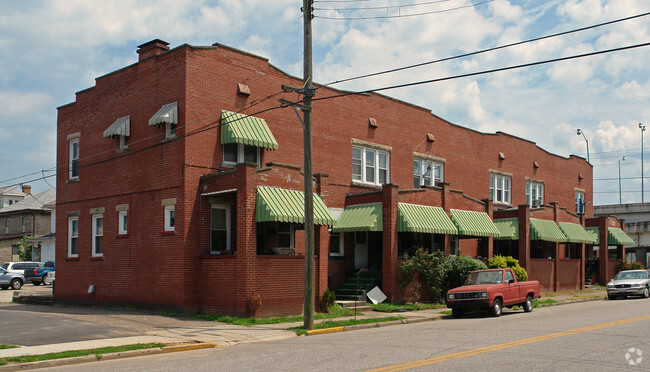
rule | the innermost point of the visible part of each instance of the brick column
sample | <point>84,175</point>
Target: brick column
<point>489,209</point>
<point>390,262</point>
<point>246,237</point>
<point>446,205</point>
<point>524,235</point>
<point>603,254</point>
<point>321,248</point>
<point>556,278</point>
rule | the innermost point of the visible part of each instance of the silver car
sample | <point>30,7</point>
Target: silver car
<point>13,280</point>
<point>629,283</point>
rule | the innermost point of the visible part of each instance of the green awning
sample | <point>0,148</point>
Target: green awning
<point>509,229</point>
<point>283,205</point>
<point>423,219</point>
<point>366,217</point>
<point>575,233</point>
<point>546,230</point>
<point>249,130</point>
<point>619,237</point>
<point>474,223</point>
<point>594,233</point>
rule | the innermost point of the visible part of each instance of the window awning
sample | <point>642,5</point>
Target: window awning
<point>366,217</point>
<point>474,223</point>
<point>618,237</point>
<point>575,233</point>
<point>594,233</point>
<point>121,127</point>
<point>508,227</point>
<point>249,130</point>
<point>167,114</point>
<point>546,230</point>
<point>281,205</point>
<point>424,219</point>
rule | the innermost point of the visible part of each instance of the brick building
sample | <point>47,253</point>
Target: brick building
<point>180,187</point>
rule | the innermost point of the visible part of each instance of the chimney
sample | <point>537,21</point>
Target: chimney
<point>27,189</point>
<point>152,48</point>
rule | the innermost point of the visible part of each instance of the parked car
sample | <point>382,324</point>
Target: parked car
<point>19,267</point>
<point>492,290</point>
<point>38,275</point>
<point>13,280</point>
<point>629,283</point>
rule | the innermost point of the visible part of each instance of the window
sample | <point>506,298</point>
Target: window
<point>580,202</point>
<point>370,166</point>
<point>74,159</point>
<point>73,236</point>
<point>285,235</point>
<point>170,130</point>
<point>122,222</point>
<point>220,229</point>
<point>234,153</point>
<point>24,223</point>
<point>426,173</point>
<point>509,276</point>
<point>98,234</point>
<point>336,244</point>
<point>170,218</point>
<point>500,188</point>
<point>11,202</point>
<point>534,193</point>
<point>6,226</point>
<point>124,142</point>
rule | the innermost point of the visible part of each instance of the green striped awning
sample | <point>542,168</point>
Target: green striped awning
<point>366,217</point>
<point>619,237</point>
<point>423,219</point>
<point>546,230</point>
<point>283,205</point>
<point>509,229</point>
<point>474,223</point>
<point>594,233</point>
<point>249,130</point>
<point>575,233</point>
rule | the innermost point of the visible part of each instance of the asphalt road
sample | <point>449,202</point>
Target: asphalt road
<point>594,336</point>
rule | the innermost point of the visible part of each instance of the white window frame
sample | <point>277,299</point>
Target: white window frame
<point>124,142</point>
<point>170,130</point>
<point>98,234</point>
<point>340,251</point>
<point>71,222</point>
<point>122,222</point>
<point>500,188</point>
<point>370,160</point>
<point>228,228</point>
<point>580,208</point>
<point>421,168</point>
<point>534,192</point>
<point>240,154</point>
<point>73,157</point>
<point>170,223</point>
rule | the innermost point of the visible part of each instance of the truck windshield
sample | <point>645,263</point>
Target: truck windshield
<point>485,277</point>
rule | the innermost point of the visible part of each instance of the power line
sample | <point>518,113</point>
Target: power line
<point>403,15</point>
<point>386,7</point>
<point>488,50</point>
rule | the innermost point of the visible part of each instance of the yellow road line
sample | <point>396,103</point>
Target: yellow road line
<point>463,354</point>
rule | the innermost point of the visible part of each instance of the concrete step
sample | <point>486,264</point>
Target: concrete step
<point>362,306</point>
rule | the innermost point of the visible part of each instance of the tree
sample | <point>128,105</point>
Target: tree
<point>25,249</point>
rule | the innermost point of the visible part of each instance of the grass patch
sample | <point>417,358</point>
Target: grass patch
<point>344,323</point>
<point>389,308</point>
<point>335,311</point>
<point>76,353</point>
<point>544,303</point>
<point>4,346</point>
<point>446,312</point>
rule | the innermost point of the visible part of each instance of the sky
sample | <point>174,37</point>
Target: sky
<point>52,49</point>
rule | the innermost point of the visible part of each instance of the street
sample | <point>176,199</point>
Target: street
<point>595,336</point>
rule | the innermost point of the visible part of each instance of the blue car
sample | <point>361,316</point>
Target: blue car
<point>13,280</point>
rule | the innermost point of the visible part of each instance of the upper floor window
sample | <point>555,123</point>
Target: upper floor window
<point>73,236</point>
<point>336,244</point>
<point>580,202</point>
<point>534,193</point>
<point>426,173</point>
<point>98,235</point>
<point>74,159</point>
<point>170,218</point>
<point>122,222</point>
<point>170,130</point>
<point>370,165</point>
<point>500,188</point>
<point>234,153</point>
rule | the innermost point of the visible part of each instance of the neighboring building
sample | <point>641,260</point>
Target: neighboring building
<point>636,217</point>
<point>164,186</point>
<point>28,217</point>
<point>10,196</point>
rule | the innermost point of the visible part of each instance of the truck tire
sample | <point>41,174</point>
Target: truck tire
<point>16,284</point>
<point>36,283</point>
<point>528,304</point>
<point>43,280</point>
<point>497,308</point>
<point>457,313</point>
<point>4,287</point>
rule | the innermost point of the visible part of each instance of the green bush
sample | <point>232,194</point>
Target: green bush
<point>458,268</point>
<point>520,273</point>
<point>636,265</point>
<point>329,298</point>
<point>498,262</point>
<point>501,262</point>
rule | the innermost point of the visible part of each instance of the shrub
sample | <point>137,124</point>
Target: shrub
<point>636,265</point>
<point>501,262</point>
<point>329,298</point>
<point>498,262</point>
<point>458,268</point>
<point>520,273</point>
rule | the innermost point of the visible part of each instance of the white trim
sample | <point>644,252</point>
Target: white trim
<point>169,209</point>
<point>218,192</point>
<point>341,248</point>
<point>227,228</point>
<point>97,233</point>
<point>241,154</point>
<point>70,221</point>
<point>366,163</point>
<point>122,227</point>
<point>72,157</point>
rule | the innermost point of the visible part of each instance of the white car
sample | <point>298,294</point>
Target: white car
<point>629,283</point>
<point>19,267</point>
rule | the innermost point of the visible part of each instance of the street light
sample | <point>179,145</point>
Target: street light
<point>586,140</point>
<point>620,196</point>
<point>642,127</point>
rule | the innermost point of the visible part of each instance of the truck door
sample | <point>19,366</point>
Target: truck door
<point>512,290</point>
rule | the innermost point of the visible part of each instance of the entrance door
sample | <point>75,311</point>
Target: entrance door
<point>360,250</point>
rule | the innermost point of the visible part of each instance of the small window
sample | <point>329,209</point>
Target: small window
<point>336,244</point>
<point>500,188</point>
<point>370,166</point>
<point>534,193</point>
<point>426,173</point>
<point>24,223</point>
<point>170,130</point>
<point>285,235</point>
<point>220,229</point>
<point>74,159</point>
<point>73,236</point>
<point>580,202</point>
<point>235,153</point>
<point>124,142</point>
<point>98,235</point>
<point>122,222</point>
<point>170,218</point>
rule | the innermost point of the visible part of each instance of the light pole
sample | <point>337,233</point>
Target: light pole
<point>587,141</point>
<point>620,196</point>
<point>642,127</point>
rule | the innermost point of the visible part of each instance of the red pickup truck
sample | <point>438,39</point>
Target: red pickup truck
<point>492,290</point>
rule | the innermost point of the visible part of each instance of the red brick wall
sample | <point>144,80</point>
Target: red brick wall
<point>568,275</point>
<point>542,270</point>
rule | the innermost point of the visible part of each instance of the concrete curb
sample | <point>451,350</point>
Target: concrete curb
<point>374,325</point>
<point>111,356</point>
